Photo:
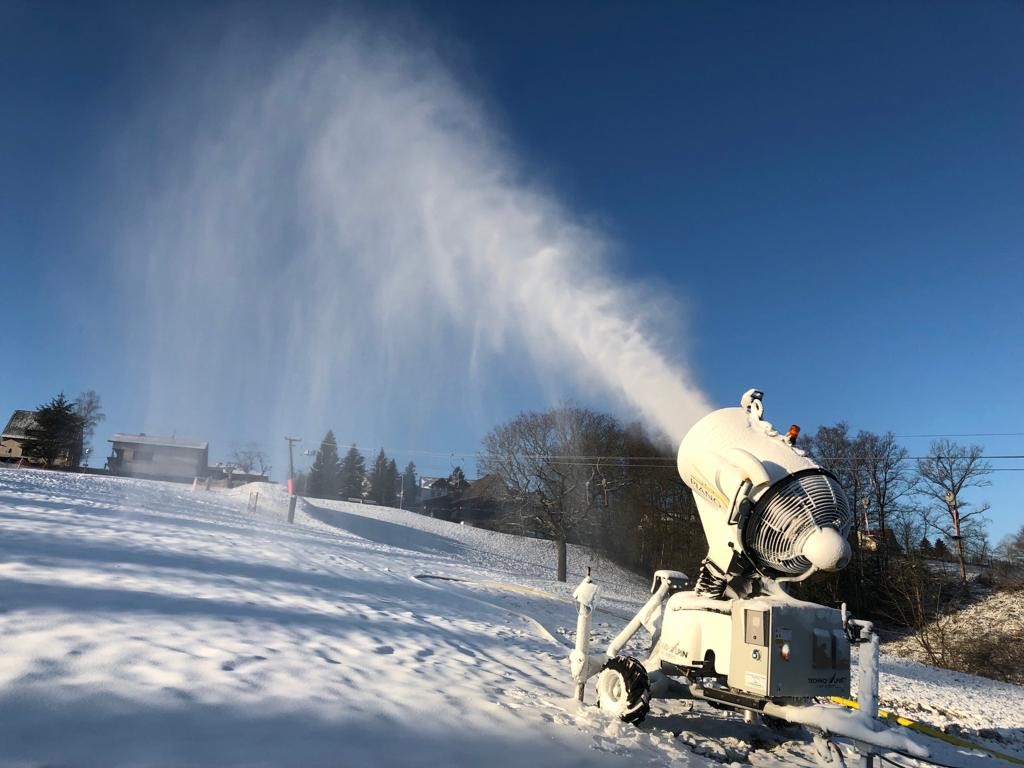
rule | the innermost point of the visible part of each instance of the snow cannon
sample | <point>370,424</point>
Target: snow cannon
<point>737,639</point>
<point>765,507</point>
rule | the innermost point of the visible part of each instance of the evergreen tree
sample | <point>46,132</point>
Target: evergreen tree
<point>353,470</point>
<point>925,547</point>
<point>378,477</point>
<point>941,550</point>
<point>457,481</point>
<point>58,437</point>
<point>410,490</point>
<point>324,480</point>
<point>389,489</point>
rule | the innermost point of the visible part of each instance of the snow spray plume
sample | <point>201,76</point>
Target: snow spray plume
<point>341,226</point>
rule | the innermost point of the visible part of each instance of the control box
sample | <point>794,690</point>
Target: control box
<point>783,650</point>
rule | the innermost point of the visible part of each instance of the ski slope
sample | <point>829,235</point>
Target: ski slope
<point>142,624</point>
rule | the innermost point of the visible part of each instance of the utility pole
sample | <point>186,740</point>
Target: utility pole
<point>291,478</point>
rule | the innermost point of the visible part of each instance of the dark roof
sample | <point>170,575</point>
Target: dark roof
<point>486,487</point>
<point>21,425</point>
<point>169,442</point>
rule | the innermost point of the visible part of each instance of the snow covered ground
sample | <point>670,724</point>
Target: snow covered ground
<point>143,624</point>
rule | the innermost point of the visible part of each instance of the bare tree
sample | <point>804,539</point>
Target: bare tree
<point>976,541</point>
<point>909,527</point>
<point>945,473</point>
<point>550,464</point>
<point>251,457</point>
<point>89,410</point>
<point>888,484</point>
<point>878,479</point>
<point>1011,548</point>
<point>262,462</point>
<point>1009,567</point>
<point>656,525</point>
<point>916,600</point>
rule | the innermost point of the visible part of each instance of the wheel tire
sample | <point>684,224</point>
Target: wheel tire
<point>623,689</point>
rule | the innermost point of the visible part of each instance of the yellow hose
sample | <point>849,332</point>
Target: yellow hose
<point>928,730</point>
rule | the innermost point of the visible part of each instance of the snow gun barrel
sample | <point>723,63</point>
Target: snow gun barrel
<point>761,500</point>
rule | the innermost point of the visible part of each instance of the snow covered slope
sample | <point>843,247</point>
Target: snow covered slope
<point>142,624</point>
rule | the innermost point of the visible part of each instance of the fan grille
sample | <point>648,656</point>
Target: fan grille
<point>787,514</point>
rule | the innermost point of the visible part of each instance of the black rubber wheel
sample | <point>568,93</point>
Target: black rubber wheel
<point>623,689</point>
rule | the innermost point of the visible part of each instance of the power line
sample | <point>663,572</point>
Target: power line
<point>671,460</point>
<point>668,461</point>
<point>969,434</point>
<point>982,456</point>
<point>478,454</point>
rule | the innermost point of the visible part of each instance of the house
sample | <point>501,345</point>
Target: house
<point>432,487</point>
<point>23,430</point>
<point>158,458</point>
<point>19,432</point>
<point>479,503</point>
<point>482,501</point>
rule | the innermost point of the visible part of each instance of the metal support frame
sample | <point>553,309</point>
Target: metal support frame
<point>861,728</point>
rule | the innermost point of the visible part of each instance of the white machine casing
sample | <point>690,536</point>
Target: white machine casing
<point>732,459</point>
<point>737,639</point>
<point>773,647</point>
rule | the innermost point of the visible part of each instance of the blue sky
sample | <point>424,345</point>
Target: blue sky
<point>832,192</point>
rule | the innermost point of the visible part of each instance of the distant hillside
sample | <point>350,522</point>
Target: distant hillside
<point>985,637</point>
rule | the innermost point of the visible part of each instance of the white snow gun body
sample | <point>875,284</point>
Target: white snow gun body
<point>737,639</point>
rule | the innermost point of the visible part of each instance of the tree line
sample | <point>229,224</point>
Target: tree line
<point>577,476</point>
<point>580,476</point>
<point>910,516</point>
<point>348,478</point>
<point>909,500</point>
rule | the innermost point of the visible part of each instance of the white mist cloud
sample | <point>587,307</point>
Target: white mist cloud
<point>341,222</point>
